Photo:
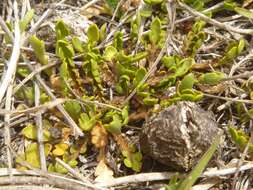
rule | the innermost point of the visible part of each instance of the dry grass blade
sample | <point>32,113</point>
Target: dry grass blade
<point>215,22</point>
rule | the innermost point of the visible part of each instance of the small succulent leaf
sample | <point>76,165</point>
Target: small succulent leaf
<point>26,20</point>
<point>102,32</point>
<point>146,11</point>
<point>85,122</point>
<point>187,82</point>
<point>60,149</point>
<point>73,108</point>
<point>169,62</point>
<point>150,101</point>
<point>144,94</point>
<point>242,141</point>
<point>125,114</point>
<point>118,40</point>
<point>166,82</point>
<point>155,31</point>
<point>229,5</point>
<point>139,75</point>
<point>241,45</point>
<point>95,71</point>
<point>39,49</point>
<point>62,30</point>
<point>60,169</point>
<point>233,133</point>
<point>64,50</point>
<point>127,163</point>
<point>77,44</point>
<point>212,78</point>
<point>109,53</point>
<point>153,2</point>
<point>30,132</point>
<point>93,33</point>
<point>32,154</point>
<point>115,125</point>
<point>72,163</point>
<point>184,66</point>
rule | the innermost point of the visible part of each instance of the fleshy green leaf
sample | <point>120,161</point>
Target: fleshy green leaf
<point>153,2</point>
<point>95,71</point>
<point>77,44</point>
<point>39,49</point>
<point>211,78</point>
<point>85,122</point>
<point>150,101</point>
<point>139,75</point>
<point>110,53</point>
<point>118,40</point>
<point>184,66</point>
<point>155,31</point>
<point>73,108</point>
<point>30,132</point>
<point>115,125</point>
<point>26,20</point>
<point>187,82</point>
<point>93,33</point>
<point>102,32</point>
<point>62,30</point>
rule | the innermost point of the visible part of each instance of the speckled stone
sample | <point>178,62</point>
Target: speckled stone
<point>179,135</point>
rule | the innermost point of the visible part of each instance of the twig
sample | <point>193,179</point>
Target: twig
<point>6,29</point>
<point>76,174</point>
<point>9,88</point>
<point>36,26</point>
<point>35,109</point>
<point>239,76</point>
<point>7,136</point>
<point>240,63</point>
<point>215,22</point>
<point>39,128</point>
<point>158,176</point>
<point>215,7</point>
<point>12,65</point>
<point>138,178</point>
<point>229,99</point>
<point>77,131</point>
<point>52,177</point>
<point>32,74</point>
<point>28,187</point>
<point>89,3</point>
<point>57,182</point>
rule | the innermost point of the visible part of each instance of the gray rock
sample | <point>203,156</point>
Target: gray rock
<point>179,135</point>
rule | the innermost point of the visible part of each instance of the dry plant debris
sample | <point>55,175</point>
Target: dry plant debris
<point>81,81</point>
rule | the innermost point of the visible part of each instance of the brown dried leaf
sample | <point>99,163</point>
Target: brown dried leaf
<point>219,88</point>
<point>99,136</point>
